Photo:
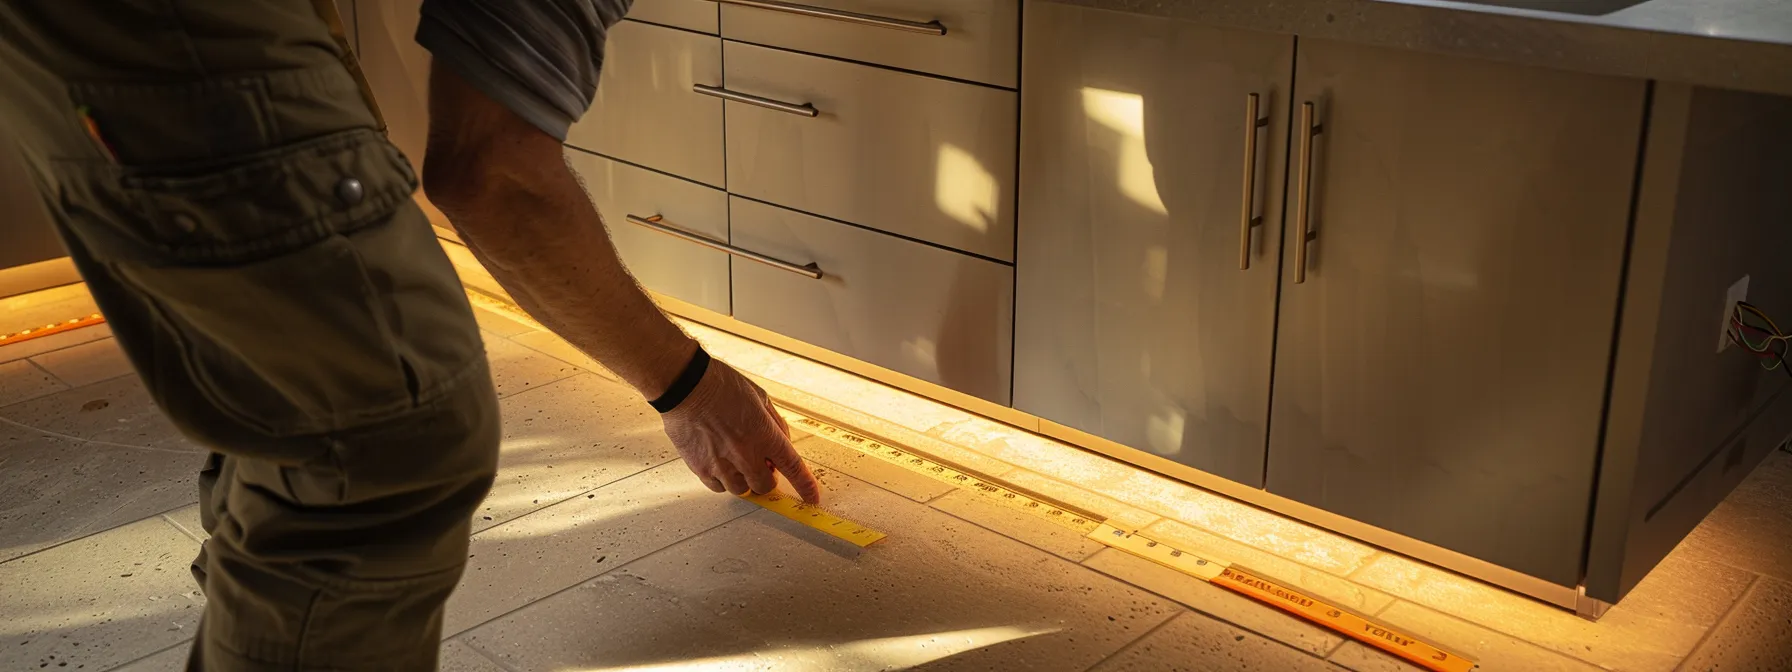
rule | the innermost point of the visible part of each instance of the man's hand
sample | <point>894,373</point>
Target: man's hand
<point>732,438</point>
<point>507,189</point>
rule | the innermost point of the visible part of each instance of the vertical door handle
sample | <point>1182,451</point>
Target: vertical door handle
<point>1246,221</point>
<point>1303,189</point>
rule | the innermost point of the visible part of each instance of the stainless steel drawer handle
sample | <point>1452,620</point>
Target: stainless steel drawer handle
<point>1303,190</point>
<point>803,110</point>
<point>929,28</point>
<point>809,270</point>
<point>1246,222</point>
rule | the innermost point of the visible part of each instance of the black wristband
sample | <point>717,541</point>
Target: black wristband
<point>687,381</point>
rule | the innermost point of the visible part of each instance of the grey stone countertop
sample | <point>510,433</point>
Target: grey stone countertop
<point>1735,44</point>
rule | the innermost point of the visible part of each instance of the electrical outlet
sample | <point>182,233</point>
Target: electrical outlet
<point>1737,292</point>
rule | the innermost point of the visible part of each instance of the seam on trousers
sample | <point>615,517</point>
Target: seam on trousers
<point>204,384</point>
<point>298,654</point>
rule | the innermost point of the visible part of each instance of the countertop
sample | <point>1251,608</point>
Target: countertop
<point>1735,44</point>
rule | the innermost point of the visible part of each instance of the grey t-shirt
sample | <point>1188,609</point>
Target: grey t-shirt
<point>540,58</point>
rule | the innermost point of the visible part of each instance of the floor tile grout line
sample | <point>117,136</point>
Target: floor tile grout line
<point>469,629</point>
<point>182,643</point>
<point>32,360</point>
<point>55,349</point>
<point>576,495</point>
<point>1193,609</point>
<point>1028,544</point>
<point>95,533</point>
<point>576,372</point>
<point>70,437</point>
<point>1522,641</point>
<point>1754,584</point>
<point>482,653</point>
<point>576,365</point>
<point>1128,646</point>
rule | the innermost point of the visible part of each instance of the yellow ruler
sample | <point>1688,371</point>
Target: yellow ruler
<point>932,467</point>
<point>1217,572</point>
<point>794,509</point>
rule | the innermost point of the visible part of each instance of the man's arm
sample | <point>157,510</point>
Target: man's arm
<point>505,186</point>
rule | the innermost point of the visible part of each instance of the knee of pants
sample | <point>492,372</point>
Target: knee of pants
<point>345,562</point>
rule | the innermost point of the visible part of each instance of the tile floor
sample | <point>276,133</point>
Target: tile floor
<point>597,551</point>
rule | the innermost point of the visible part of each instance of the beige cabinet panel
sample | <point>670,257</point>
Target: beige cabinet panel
<point>646,112</point>
<point>980,40</point>
<point>934,314</point>
<point>1135,321</point>
<point>917,156</point>
<point>662,263</point>
<point>699,15</point>
<point>1441,372</point>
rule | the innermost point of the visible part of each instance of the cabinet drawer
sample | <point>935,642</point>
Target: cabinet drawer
<point>980,40</point>
<point>646,111</point>
<point>912,155</point>
<point>934,314</point>
<point>663,263</point>
<point>698,15</point>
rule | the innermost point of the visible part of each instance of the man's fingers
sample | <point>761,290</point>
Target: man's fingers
<point>711,483</point>
<point>778,417</point>
<point>791,465</point>
<point>736,484</point>
<point>760,478</point>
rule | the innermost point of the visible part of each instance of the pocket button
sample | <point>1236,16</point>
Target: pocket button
<point>184,223</point>
<point>350,191</point>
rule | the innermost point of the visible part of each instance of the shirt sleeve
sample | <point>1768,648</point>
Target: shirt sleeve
<point>540,58</point>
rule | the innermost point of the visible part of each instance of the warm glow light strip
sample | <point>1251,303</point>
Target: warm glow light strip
<point>55,328</point>
<point>1220,573</point>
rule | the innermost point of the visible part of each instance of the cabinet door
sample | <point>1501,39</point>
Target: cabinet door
<point>1135,321</point>
<point>1441,372</point>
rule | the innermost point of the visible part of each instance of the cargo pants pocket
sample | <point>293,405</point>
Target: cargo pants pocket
<point>302,285</point>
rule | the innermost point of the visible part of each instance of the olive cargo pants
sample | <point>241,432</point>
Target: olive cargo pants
<point>221,181</point>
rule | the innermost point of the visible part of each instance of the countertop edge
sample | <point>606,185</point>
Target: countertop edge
<point>1519,39</point>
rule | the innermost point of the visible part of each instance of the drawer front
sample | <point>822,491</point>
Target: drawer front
<point>699,15</point>
<point>645,111</point>
<point>916,156</point>
<point>981,41</point>
<point>916,309</point>
<point>663,263</point>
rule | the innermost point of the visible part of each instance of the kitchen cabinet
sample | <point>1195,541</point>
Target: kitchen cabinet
<point>646,111</point>
<point>639,206</point>
<point>917,156</point>
<point>938,315</point>
<point>1152,159</point>
<point>703,16</point>
<point>31,239</point>
<point>974,40</point>
<point>397,69</point>
<point>1455,239</point>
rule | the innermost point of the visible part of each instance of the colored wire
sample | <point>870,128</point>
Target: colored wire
<point>1740,334</point>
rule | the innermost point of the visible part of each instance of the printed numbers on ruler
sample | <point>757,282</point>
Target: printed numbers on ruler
<point>933,469</point>
<point>794,509</point>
